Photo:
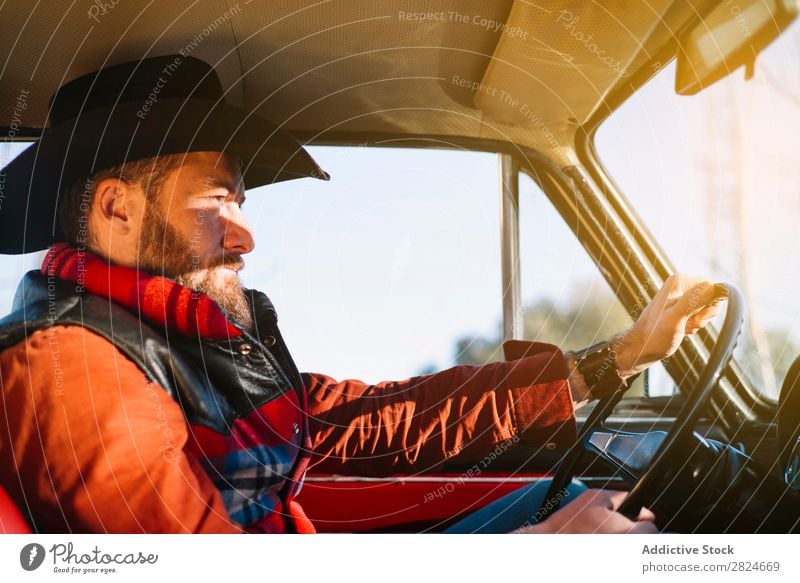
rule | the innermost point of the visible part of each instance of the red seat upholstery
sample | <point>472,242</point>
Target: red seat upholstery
<point>11,519</point>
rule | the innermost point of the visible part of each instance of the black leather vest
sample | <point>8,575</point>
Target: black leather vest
<point>215,381</point>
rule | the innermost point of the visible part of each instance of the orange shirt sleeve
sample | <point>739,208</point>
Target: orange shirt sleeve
<point>416,424</point>
<point>91,445</point>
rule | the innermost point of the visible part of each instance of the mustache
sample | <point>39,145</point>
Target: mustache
<point>233,261</point>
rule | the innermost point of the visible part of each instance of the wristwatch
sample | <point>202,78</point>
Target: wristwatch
<point>598,366</point>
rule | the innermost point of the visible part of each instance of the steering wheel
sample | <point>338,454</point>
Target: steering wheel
<point>645,490</point>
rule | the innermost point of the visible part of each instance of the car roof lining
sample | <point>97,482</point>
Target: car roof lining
<point>358,67</point>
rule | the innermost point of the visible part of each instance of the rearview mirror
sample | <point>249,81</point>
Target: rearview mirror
<point>730,36</point>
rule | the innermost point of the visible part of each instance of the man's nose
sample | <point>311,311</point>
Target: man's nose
<point>238,237</point>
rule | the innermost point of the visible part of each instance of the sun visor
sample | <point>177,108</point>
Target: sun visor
<point>553,66</point>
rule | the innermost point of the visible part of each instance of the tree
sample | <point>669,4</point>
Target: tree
<point>582,321</point>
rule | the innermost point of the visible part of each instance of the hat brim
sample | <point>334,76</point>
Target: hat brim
<point>101,138</point>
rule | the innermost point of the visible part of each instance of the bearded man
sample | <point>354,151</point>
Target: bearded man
<point>145,390</point>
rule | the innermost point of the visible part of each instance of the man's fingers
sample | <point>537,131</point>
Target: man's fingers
<point>643,527</point>
<point>696,299</point>
<point>709,312</point>
<point>613,498</point>
<point>692,327</point>
<point>703,317</point>
<point>595,511</point>
<point>678,285</point>
<point>646,514</point>
<point>694,323</point>
<point>610,499</point>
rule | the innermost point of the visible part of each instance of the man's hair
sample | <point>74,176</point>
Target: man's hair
<point>76,199</point>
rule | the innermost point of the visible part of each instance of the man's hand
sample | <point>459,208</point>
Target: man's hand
<point>682,306</point>
<point>594,512</point>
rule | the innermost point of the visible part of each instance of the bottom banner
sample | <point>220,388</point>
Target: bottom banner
<point>407,558</point>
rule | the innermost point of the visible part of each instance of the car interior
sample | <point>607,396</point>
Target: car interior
<point>531,83</point>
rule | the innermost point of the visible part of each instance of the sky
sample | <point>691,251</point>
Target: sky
<point>378,272</point>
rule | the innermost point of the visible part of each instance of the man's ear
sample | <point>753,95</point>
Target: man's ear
<point>115,205</point>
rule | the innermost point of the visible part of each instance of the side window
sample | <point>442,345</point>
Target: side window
<point>381,273</point>
<point>387,271</point>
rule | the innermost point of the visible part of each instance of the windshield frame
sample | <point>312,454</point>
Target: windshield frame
<point>734,387</point>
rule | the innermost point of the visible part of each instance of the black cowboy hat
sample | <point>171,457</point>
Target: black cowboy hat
<point>156,106</point>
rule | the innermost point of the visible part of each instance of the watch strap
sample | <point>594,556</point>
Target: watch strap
<point>598,366</point>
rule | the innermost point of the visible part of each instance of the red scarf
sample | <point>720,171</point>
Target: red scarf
<point>156,299</point>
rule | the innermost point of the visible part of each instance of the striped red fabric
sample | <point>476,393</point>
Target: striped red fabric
<point>158,299</point>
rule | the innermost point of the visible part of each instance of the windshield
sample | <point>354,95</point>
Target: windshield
<point>716,179</point>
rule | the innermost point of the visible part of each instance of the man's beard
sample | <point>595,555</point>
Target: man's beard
<point>165,252</point>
